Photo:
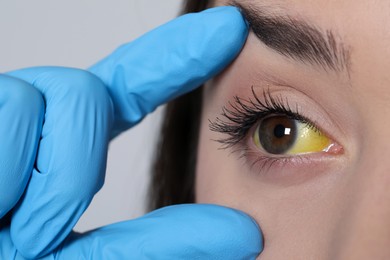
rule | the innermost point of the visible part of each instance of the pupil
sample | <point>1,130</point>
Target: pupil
<point>279,131</point>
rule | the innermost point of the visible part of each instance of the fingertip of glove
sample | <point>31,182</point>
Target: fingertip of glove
<point>230,12</point>
<point>230,17</point>
<point>242,234</point>
<point>215,38</point>
<point>214,230</point>
<point>19,93</point>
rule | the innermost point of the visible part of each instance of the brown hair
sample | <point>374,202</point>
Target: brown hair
<point>173,173</point>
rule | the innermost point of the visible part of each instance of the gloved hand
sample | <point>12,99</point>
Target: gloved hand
<point>71,152</point>
<point>192,231</point>
<point>71,157</point>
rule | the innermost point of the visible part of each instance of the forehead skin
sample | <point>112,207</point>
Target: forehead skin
<point>344,213</point>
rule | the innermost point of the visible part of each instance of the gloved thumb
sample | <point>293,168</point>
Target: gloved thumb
<point>190,231</point>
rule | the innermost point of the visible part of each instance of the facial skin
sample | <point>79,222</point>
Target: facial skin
<point>325,205</point>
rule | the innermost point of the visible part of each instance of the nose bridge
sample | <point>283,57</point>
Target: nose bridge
<point>363,231</point>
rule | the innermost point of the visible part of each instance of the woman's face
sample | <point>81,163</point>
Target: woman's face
<point>309,159</point>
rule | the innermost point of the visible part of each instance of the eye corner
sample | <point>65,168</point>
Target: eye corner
<point>334,149</point>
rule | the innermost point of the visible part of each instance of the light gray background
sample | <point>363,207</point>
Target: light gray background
<point>77,33</point>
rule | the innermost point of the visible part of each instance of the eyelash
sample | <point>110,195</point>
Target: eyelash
<point>243,114</point>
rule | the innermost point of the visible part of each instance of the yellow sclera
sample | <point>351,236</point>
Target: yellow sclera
<point>309,140</point>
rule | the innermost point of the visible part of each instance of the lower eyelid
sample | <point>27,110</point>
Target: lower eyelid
<point>287,170</point>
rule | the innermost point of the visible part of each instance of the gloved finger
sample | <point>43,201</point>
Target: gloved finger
<point>7,248</point>
<point>170,61</point>
<point>192,231</point>
<point>21,117</point>
<point>71,159</point>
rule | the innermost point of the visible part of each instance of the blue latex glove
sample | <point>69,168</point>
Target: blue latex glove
<point>69,170</point>
<point>21,113</point>
<point>192,231</point>
<point>71,158</point>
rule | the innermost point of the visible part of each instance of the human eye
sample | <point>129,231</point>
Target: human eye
<point>270,129</point>
<point>283,135</point>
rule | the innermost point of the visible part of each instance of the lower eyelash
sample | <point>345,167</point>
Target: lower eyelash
<point>264,163</point>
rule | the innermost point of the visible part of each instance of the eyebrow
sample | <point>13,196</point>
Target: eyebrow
<point>296,39</point>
